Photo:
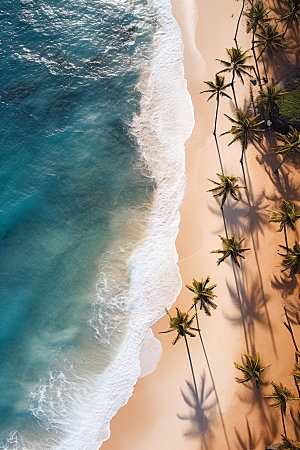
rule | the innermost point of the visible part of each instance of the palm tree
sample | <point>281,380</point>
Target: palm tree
<point>281,396</point>
<point>286,217</point>
<point>237,65</point>
<point>231,247</point>
<point>290,145</point>
<point>290,261</point>
<point>252,368</point>
<point>292,14</point>
<point>245,129</point>
<point>270,39</point>
<point>257,17</point>
<point>204,295</point>
<point>269,97</point>
<point>228,185</point>
<point>238,22</point>
<point>289,444</point>
<point>217,88</point>
<point>181,323</point>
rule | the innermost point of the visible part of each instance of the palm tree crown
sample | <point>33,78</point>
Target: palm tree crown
<point>228,185</point>
<point>237,63</point>
<point>251,368</point>
<point>217,87</point>
<point>289,444</point>
<point>290,142</point>
<point>245,128</point>
<point>280,396</point>
<point>292,13</point>
<point>270,39</point>
<point>290,261</point>
<point>287,216</point>
<point>269,97</point>
<point>257,16</point>
<point>204,294</point>
<point>181,323</point>
<point>231,247</point>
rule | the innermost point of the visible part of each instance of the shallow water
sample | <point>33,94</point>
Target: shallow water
<point>68,173</point>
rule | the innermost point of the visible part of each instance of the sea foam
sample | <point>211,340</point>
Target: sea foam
<point>78,412</point>
<point>161,129</point>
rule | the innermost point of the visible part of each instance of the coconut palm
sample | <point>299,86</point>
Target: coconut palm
<point>181,323</point>
<point>231,247</point>
<point>217,89</point>
<point>291,260</point>
<point>237,65</point>
<point>281,396</point>
<point>228,185</point>
<point>245,128</point>
<point>269,97</point>
<point>252,368</point>
<point>238,22</point>
<point>289,444</point>
<point>286,217</point>
<point>290,145</point>
<point>270,39</point>
<point>257,17</point>
<point>204,295</point>
<point>292,14</point>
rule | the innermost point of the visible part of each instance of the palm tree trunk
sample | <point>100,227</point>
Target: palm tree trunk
<point>211,377</point>
<point>285,237</point>
<point>238,23</point>
<point>233,90</point>
<point>283,423</point>
<point>290,329</point>
<point>224,221</point>
<point>215,132</point>
<point>192,368</point>
<point>265,70</point>
<point>255,59</point>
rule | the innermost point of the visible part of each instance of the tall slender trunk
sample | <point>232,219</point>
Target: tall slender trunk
<point>211,377</point>
<point>255,59</point>
<point>233,90</point>
<point>281,162</point>
<point>215,133</point>
<point>241,306</point>
<point>238,23</point>
<point>283,422</point>
<point>290,329</point>
<point>265,70</point>
<point>192,368</point>
<point>285,237</point>
<point>224,221</point>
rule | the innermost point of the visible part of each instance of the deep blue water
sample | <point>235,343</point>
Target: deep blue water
<point>69,70</point>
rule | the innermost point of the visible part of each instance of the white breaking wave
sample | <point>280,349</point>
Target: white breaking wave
<point>165,121</point>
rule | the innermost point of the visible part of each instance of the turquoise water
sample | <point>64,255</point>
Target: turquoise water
<point>69,169</point>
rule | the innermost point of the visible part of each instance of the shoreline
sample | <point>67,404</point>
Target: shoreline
<point>162,413</point>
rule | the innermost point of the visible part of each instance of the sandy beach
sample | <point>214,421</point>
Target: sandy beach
<point>163,412</point>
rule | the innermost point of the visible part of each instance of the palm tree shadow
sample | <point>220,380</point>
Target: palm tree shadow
<point>253,305</point>
<point>247,440</point>
<point>253,397</point>
<point>200,411</point>
<point>285,284</point>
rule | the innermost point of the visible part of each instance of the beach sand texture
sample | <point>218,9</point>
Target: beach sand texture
<point>163,412</point>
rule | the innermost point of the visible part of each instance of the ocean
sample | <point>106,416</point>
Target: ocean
<point>94,116</point>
